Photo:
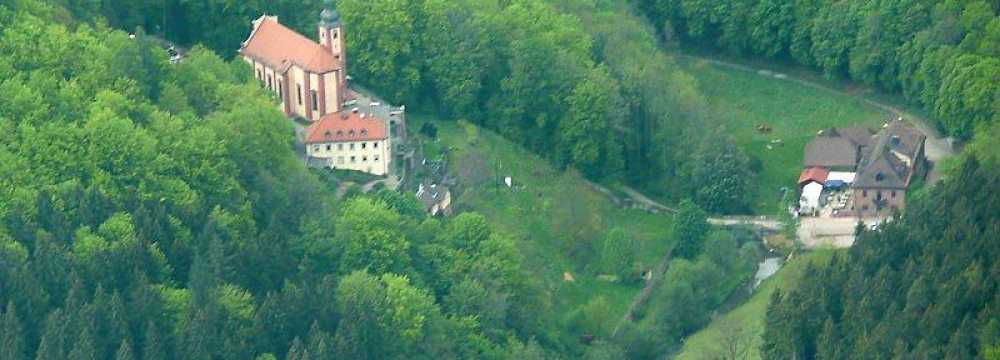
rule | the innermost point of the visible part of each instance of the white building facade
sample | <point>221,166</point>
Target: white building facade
<point>350,141</point>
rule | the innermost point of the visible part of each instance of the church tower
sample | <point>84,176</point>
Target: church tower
<point>331,35</point>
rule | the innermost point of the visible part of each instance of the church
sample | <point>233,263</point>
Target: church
<point>348,130</point>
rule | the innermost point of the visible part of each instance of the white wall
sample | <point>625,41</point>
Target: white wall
<point>330,86</point>
<point>373,157</point>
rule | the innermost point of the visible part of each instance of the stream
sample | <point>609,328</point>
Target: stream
<point>766,269</point>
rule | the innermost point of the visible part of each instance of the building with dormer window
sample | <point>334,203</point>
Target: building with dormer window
<point>349,130</point>
<point>350,140</point>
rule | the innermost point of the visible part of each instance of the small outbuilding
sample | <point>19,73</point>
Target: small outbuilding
<point>435,198</point>
<point>809,201</point>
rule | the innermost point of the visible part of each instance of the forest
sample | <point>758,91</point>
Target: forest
<point>155,211</point>
<point>592,94</point>
<point>151,210</point>
<point>941,55</point>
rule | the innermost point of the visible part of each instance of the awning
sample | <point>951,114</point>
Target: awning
<point>846,177</point>
<point>835,184</point>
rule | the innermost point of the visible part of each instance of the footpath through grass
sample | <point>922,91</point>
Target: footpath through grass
<point>744,325</point>
<point>794,112</point>
<point>554,215</point>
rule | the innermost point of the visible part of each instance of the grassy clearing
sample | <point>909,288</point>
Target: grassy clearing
<point>795,112</point>
<point>747,320</point>
<point>555,215</point>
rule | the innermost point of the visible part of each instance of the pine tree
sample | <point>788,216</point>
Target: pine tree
<point>53,344</point>
<point>319,344</point>
<point>826,344</point>
<point>124,351</point>
<point>84,348</point>
<point>298,351</point>
<point>117,328</point>
<point>12,344</point>
<point>152,347</point>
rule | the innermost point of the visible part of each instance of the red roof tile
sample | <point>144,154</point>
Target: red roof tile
<point>816,174</point>
<point>346,126</point>
<point>279,47</point>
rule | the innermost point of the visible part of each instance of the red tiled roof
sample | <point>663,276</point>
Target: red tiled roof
<point>346,126</point>
<point>816,174</point>
<point>279,47</point>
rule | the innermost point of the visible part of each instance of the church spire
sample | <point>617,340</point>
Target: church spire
<point>329,18</point>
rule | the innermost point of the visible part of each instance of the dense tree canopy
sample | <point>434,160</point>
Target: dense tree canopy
<point>592,92</point>
<point>151,210</point>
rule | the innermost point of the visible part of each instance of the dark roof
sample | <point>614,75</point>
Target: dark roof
<point>831,151</point>
<point>837,147</point>
<point>890,163</point>
<point>883,172</point>
<point>860,136</point>
<point>902,137</point>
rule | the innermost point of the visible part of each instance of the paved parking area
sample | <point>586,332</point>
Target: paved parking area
<point>829,232</point>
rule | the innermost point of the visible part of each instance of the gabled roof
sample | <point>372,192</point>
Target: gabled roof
<point>837,147</point>
<point>883,172</point>
<point>346,126</point>
<point>816,174</point>
<point>831,151</point>
<point>280,47</point>
<point>882,167</point>
<point>860,136</point>
<point>902,137</point>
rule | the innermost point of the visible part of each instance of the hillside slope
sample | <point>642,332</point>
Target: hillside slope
<point>924,286</point>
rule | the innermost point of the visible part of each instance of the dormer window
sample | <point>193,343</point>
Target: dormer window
<point>364,132</point>
<point>340,133</point>
<point>327,134</point>
<point>350,133</point>
<point>879,177</point>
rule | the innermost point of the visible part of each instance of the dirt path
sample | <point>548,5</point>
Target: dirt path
<point>936,147</point>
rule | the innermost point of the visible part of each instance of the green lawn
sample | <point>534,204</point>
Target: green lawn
<point>795,112</point>
<point>553,214</point>
<point>747,320</point>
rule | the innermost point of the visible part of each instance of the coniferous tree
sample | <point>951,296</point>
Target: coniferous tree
<point>152,347</point>
<point>298,351</point>
<point>84,348</point>
<point>318,345</point>
<point>53,345</point>
<point>12,342</point>
<point>124,351</point>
